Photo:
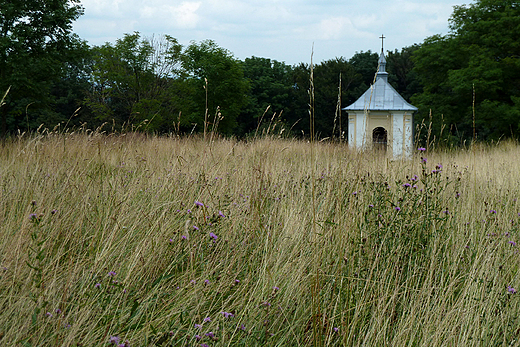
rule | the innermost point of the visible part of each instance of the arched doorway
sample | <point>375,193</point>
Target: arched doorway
<point>379,139</point>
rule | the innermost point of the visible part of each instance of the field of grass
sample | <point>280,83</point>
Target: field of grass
<point>148,241</point>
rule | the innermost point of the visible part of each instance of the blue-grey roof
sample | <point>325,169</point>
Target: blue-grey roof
<point>381,95</point>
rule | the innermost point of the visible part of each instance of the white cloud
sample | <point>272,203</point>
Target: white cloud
<point>280,29</point>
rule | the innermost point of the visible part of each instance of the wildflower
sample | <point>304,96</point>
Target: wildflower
<point>424,160</point>
<point>184,237</point>
<point>33,216</point>
<point>512,243</point>
<point>204,344</point>
<point>370,206</point>
<point>407,185</point>
<point>237,281</point>
<point>54,211</point>
<point>439,167</point>
<point>193,282</point>
<point>111,273</point>
<point>221,214</point>
<point>114,340</point>
<point>197,337</point>
<point>276,288</point>
<point>97,285</point>
<point>493,211</point>
<point>242,327</point>
<point>58,311</point>
<point>213,236</point>
<point>33,202</point>
<point>170,240</point>
<point>421,149</point>
<point>48,314</point>
<point>196,228</point>
<point>207,319</point>
<point>198,326</point>
<point>210,334</point>
<point>189,211</point>
<point>335,329</point>
<point>227,314</point>
<point>397,208</point>
<point>206,281</point>
<point>198,203</point>
<point>511,290</point>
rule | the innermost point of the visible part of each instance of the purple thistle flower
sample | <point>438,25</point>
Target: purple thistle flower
<point>198,203</point>
<point>493,211</point>
<point>237,281</point>
<point>511,290</point>
<point>114,340</point>
<point>335,329</point>
<point>197,337</point>
<point>407,185</point>
<point>397,208</point>
<point>184,237</point>
<point>206,281</point>
<point>170,240</point>
<point>513,243</point>
<point>221,214</point>
<point>196,228</point>
<point>210,334</point>
<point>111,273</point>
<point>33,216</point>
<point>204,344</point>
<point>198,326</point>
<point>54,211</point>
<point>421,149</point>
<point>242,327</point>
<point>424,160</point>
<point>207,319</point>
<point>189,211</point>
<point>48,314</point>
<point>213,236</point>
<point>370,206</point>
<point>227,314</point>
<point>97,285</point>
<point>276,288</point>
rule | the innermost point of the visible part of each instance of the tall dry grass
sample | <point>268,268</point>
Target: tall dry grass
<point>176,242</point>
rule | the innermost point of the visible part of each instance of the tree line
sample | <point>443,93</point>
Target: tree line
<point>466,84</point>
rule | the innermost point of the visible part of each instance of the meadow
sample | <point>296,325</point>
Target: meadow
<point>135,240</point>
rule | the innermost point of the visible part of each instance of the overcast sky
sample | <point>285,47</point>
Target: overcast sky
<point>283,30</point>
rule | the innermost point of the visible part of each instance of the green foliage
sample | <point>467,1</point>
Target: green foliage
<point>271,86</point>
<point>134,82</point>
<point>36,43</point>
<point>216,86</point>
<point>474,69</point>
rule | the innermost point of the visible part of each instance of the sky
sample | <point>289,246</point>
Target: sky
<point>290,31</point>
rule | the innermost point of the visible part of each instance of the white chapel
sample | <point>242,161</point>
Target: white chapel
<point>381,118</point>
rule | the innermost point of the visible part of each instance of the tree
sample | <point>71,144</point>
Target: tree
<point>36,41</point>
<point>135,81</point>
<point>217,86</point>
<point>475,69</point>
<point>270,86</point>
